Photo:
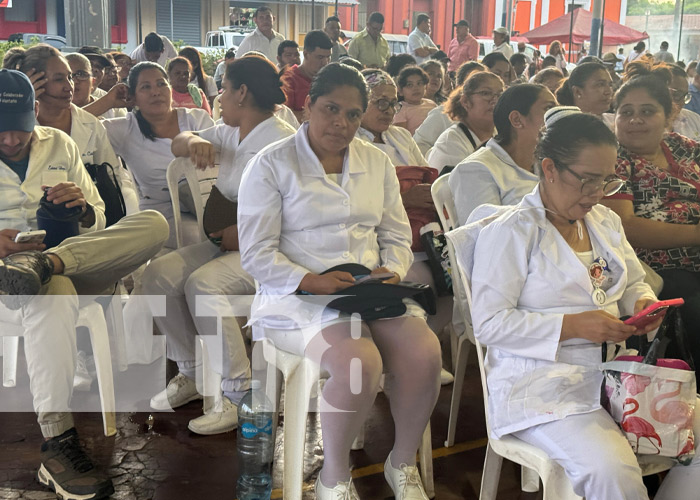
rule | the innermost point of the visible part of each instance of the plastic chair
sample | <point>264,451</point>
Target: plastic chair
<point>461,344</point>
<point>90,316</point>
<point>532,459</point>
<point>216,108</point>
<point>300,375</point>
<point>177,169</point>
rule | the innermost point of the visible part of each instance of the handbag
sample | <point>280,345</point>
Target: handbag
<point>105,180</point>
<point>653,398</point>
<point>410,176</point>
<point>435,246</point>
<point>219,212</point>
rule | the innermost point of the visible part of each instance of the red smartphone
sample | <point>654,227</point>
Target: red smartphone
<point>653,312</point>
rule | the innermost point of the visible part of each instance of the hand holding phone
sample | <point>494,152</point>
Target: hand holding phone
<point>31,236</point>
<point>653,312</point>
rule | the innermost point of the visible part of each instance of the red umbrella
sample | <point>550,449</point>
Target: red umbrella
<point>558,29</point>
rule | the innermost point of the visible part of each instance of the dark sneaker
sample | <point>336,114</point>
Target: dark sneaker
<point>67,470</point>
<point>23,273</point>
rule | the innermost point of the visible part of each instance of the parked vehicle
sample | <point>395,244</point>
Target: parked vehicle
<point>398,44</point>
<point>486,46</point>
<point>54,40</point>
<point>223,39</point>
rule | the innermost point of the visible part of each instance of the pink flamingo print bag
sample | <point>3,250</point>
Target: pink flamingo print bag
<point>653,400</point>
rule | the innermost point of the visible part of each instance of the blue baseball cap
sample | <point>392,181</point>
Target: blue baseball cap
<point>16,102</point>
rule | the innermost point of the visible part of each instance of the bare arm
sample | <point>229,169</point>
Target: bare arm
<point>115,98</point>
<point>646,233</point>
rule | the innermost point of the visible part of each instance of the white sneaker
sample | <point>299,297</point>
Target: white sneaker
<point>217,421</point>
<point>180,391</point>
<point>404,481</point>
<point>342,491</point>
<point>82,379</point>
<point>446,378</point>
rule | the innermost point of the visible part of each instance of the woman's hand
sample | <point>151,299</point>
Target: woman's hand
<point>326,284</point>
<point>597,326</point>
<point>381,270</point>
<point>229,238</point>
<point>202,152</point>
<point>639,306</point>
<point>118,96</point>
<point>418,197</point>
<point>38,79</point>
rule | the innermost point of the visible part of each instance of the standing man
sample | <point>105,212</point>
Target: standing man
<point>155,48</point>
<point>332,29</point>
<point>521,50</point>
<point>264,39</point>
<point>501,42</point>
<point>663,55</point>
<point>464,47</point>
<point>420,45</point>
<point>288,54</point>
<point>297,80</point>
<point>369,46</point>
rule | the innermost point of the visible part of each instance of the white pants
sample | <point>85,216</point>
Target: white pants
<point>94,262</point>
<point>599,461</point>
<point>201,269</point>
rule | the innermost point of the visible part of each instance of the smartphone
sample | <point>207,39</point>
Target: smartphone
<point>369,277</point>
<point>30,236</point>
<point>653,312</point>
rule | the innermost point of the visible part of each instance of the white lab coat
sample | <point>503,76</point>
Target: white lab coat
<point>294,220</point>
<point>91,138</point>
<point>398,145</point>
<point>451,148</point>
<point>688,124</point>
<point>434,124</point>
<point>525,278</point>
<point>53,158</point>
<point>488,175</point>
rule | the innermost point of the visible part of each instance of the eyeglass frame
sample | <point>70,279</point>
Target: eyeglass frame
<point>686,96</point>
<point>396,104</point>
<point>598,185</point>
<point>81,78</point>
<point>483,93</point>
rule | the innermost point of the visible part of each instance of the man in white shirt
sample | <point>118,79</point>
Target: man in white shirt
<point>501,42</point>
<point>264,39</point>
<point>420,45</point>
<point>663,55</point>
<point>332,29</point>
<point>155,48</point>
<point>39,291</point>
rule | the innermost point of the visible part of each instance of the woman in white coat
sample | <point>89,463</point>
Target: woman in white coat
<point>544,312</point>
<point>251,90</point>
<point>311,202</point>
<point>503,171</point>
<point>472,108</point>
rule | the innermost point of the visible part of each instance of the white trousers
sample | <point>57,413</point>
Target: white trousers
<point>599,461</point>
<point>202,269</point>
<point>94,262</point>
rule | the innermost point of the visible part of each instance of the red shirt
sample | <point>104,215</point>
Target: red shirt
<point>296,87</point>
<point>459,53</point>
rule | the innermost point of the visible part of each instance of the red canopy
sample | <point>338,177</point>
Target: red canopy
<point>558,29</point>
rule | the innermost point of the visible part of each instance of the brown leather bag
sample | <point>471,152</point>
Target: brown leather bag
<point>219,212</point>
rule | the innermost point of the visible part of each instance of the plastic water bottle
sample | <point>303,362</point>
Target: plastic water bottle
<point>255,446</point>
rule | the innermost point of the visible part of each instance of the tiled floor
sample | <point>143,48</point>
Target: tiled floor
<point>158,458</point>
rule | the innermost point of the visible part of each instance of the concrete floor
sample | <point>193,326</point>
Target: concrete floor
<point>154,455</point>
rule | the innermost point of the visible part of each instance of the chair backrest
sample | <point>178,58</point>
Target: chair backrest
<point>216,108</point>
<point>177,169</point>
<point>444,203</point>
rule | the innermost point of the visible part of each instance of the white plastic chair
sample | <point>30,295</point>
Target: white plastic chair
<point>90,316</point>
<point>461,344</point>
<point>177,169</point>
<point>532,459</point>
<point>300,376</point>
<point>216,108</point>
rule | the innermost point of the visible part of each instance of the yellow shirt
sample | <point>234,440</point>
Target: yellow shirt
<point>370,53</point>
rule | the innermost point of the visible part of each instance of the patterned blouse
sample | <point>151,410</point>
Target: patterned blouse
<point>665,195</point>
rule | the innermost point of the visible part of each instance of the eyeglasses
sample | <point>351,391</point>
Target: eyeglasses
<point>589,187</point>
<point>81,76</point>
<point>488,95</point>
<point>679,96</point>
<point>384,104</point>
<point>112,70</point>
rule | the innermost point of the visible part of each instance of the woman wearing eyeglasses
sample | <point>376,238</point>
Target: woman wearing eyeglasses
<point>551,277</point>
<point>471,106</point>
<point>683,121</point>
<point>659,203</point>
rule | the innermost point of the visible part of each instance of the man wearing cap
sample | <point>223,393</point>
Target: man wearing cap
<point>99,63</point>
<point>610,61</point>
<point>501,42</point>
<point>38,291</point>
<point>420,45</point>
<point>464,47</point>
<point>155,48</point>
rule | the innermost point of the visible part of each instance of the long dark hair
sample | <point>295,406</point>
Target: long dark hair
<point>144,125</point>
<point>195,59</point>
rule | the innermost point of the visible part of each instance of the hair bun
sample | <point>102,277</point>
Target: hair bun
<point>558,112</point>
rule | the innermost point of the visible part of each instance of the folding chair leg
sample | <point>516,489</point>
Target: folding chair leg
<point>426,462</point>
<point>463,348</point>
<point>211,382</point>
<point>529,480</point>
<point>557,486</point>
<point>10,348</point>
<point>359,442</point>
<point>491,475</point>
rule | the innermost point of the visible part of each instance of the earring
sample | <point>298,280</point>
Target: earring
<point>551,180</point>
<point>240,104</point>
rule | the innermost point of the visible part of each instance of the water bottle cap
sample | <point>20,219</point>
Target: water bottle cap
<point>255,384</point>
<point>432,226</point>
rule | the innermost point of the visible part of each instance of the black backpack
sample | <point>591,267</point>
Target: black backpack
<point>108,186</point>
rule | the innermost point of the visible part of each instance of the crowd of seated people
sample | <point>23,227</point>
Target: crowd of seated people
<point>313,162</point>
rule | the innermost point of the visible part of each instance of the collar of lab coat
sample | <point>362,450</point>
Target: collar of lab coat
<point>309,164</point>
<point>500,153</point>
<point>604,237</point>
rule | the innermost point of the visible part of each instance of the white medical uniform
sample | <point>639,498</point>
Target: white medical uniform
<point>398,145</point>
<point>294,220</point>
<point>451,148</point>
<point>489,175</point>
<point>202,269</point>
<point>688,124</point>
<point>434,124</point>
